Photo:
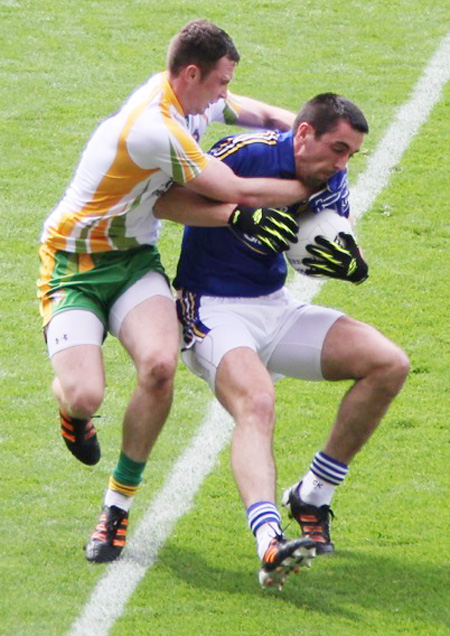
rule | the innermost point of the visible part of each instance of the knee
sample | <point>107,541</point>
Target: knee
<point>157,371</point>
<point>258,410</point>
<point>402,366</point>
<point>393,370</point>
<point>82,400</point>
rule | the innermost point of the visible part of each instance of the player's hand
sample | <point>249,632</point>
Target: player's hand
<point>336,260</point>
<point>266,230</point>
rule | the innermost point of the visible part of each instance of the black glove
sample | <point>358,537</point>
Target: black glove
<point>265,230</point>
<point>335,259</point>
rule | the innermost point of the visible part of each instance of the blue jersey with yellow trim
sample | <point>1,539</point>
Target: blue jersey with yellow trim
<point>213,261</point>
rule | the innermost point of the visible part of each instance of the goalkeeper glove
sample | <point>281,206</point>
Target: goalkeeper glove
<point>265,230</point>
<point>335,260</point>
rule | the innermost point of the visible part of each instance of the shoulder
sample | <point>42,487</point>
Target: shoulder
<point>245,142</point>
<point>224,111</point>
<point>254,154</point>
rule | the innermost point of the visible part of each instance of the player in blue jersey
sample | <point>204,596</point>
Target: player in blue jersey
<point>242,328</point>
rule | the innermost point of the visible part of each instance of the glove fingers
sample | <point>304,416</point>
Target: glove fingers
<point>348,239</point>
<point>312,262</point>
<point>278,234</point>
<point>274,244</point>
<point>323,241</point>
<point>290,230</point>
<point>285,218</point>
<point>320,272</point>
<point>316,251</point>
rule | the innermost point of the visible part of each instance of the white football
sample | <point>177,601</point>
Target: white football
<point>327,223</point>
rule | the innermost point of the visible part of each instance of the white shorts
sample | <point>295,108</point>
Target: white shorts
<point>80,327</point>
<point>287,335</point>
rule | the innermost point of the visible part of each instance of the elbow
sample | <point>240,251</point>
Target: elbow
<point>252,200</point>
<point>158,210</point>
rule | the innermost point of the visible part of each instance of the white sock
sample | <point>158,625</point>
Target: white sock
<point>264,536</point>
<point>114,498</point>
<point>315,491</point>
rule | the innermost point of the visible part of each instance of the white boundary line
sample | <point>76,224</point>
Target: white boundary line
<point>175,499</point>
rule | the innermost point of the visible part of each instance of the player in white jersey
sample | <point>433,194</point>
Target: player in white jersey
<point>100,268</point>
<point>130,159</point>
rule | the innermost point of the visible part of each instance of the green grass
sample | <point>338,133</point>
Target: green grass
<point>67,65</point>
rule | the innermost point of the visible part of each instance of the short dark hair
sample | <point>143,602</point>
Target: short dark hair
<point>201,43</point>
<point>324,112</point>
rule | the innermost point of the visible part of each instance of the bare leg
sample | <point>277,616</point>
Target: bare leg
<point>79,380</point>
<point>354,350</point>
<point>245,389</point>
<point>150,334</point>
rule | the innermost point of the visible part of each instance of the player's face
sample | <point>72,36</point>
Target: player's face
<point>212,87</point>
<point>319,158</point>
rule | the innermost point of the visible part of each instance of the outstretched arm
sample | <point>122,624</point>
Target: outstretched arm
<point>256,114</point>
<point>217,181</point>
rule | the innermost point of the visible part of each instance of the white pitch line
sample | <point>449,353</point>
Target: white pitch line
<point>408,120</point>
<point>175,499</point>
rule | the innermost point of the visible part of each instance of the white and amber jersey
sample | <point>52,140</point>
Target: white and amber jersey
<point>132,158</point>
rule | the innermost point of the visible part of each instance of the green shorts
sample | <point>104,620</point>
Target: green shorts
<point>92,282</point>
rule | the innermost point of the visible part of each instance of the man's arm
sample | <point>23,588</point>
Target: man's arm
<point>184,206</point>
<point>217,181</point>
<point>256,114</point>
<point>266,230</point>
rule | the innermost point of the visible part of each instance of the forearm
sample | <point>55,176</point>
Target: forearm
<point>218,182</point>
<point>275,193</point>
<point>261,115</point>
<point>278,119</point>
<point>184,206</point>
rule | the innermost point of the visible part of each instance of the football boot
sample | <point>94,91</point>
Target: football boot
<point>283,557</point>
<point>109,537</point>
<point>314,521</point>
<point>80,437</point>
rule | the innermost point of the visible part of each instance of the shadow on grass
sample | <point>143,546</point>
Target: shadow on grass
<point>342,585</point>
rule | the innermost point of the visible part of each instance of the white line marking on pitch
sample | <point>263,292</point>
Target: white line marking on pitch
<point>113,590</point>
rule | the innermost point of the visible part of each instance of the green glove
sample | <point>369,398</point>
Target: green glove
<point>336,260</point>
<point>265,230</point>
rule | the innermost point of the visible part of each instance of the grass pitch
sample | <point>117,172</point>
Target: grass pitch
<point>65,67</point>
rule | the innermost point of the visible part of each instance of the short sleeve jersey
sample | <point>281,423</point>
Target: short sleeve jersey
<point>214,261</point>
<point>131,159</point>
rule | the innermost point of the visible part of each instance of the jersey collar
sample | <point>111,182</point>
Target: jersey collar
<point>169,94</point>
<point>286,154</point>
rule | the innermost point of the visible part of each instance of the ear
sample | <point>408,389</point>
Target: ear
<point>191,72</point>
<point>304,130</point>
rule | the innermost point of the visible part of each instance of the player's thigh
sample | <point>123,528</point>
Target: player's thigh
<point>353,348</point>
<point>243,382</point>
<point>297,353</point>
<point>226,331</point>
<point>74,340</point>
<point>145,321</point>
